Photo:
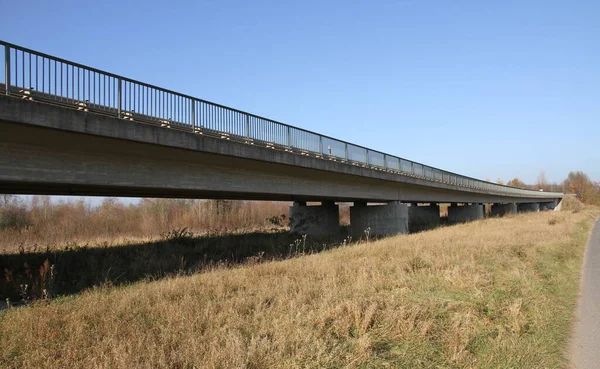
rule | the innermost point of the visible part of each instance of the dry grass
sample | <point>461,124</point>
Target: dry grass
<point>497,293</point>
<point>76,267</point>
<point>43,223</point>
<point>571,203</point>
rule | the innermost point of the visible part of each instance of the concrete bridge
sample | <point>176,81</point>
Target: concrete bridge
<point>68,129</point>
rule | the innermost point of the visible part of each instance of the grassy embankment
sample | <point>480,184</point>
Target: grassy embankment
<point>497,293</point>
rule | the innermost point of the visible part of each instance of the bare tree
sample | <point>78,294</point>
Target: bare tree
<point>542,181</point>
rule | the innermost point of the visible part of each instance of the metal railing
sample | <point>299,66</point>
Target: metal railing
<point>32,75</point>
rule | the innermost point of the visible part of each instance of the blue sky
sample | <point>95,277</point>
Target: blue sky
<point>487,89</point>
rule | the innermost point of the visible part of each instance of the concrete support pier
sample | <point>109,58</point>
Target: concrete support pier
<point>500,210</point>
<point>421,218</point>
<point>548,205</point>
<point>465,213</point>
<point>528,207</point>
<point>320,220</point>
<point>381,220</point>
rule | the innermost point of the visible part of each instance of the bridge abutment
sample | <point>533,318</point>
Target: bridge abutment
<point>528,207</point>
<point>503,209</point>
<point>421,218</point>
<point>379,220</point>
<point>465,213</point>
<point>318,220</point>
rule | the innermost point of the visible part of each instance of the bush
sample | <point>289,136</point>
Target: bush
<point>13,217</point>
<point>554,220</point>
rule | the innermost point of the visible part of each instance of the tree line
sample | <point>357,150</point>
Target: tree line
<point>43,221</point>
<point>577,183</point>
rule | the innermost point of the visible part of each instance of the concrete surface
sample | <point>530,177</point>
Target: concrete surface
<point>465,213</point>
<point>46,149</point>
<point>528,207</point>
<point>421,218</point>
<point>551,205</point>
<point>585,344</point>
<point>381,220</point>
<point>503,209</point>
<point>322,220</point>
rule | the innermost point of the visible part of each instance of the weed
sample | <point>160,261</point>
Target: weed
<point>367,233</point>
<point>177,234</point>
<point>554,220</point>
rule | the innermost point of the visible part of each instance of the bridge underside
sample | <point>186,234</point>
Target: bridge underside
<point>36,160</point>
<point>46,149</point>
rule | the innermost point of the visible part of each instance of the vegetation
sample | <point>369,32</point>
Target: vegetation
<point>577,183</point>
<point>516,182</point>
<point>571,203</point>
<point>498,293</point>
<point>44,223</point>
<point>49,272</point>
<point>188,283</point>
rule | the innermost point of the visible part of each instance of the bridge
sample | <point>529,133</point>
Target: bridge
<point>69,129</point>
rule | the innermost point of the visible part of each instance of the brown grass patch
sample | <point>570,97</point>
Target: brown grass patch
<point>494,293</point>
<point>571,203</point>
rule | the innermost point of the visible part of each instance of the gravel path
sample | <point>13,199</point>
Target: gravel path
<point>585,350</point>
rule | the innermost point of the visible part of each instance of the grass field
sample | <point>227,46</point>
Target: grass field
<point>497,293</point>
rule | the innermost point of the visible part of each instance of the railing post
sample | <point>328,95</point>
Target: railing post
<point>346,151</point>
<point>367,156</point>
<point>320,145</point>
<point>289,136</point>
<point>385,161</point>
<point>119,95</point>
<point>7,67</point>
<point>193,113</point>
<point>247,127</point>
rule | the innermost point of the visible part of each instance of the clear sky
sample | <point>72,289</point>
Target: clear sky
<point>490,89</point>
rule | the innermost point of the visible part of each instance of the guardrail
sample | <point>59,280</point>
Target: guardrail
<point>32,75</point>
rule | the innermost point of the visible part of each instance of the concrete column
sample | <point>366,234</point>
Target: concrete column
<point>320,220</point>
<point>503,209</point>
<point>528,207</point>
<point>547,205</point>
<point>421,218</point>
<point>382,220</point>
<point>465,213</point>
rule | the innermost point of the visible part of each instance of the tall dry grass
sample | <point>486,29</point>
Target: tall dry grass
<point>571,203</point>
<point>497,293</point>
<point>44,223</point>
<point>78,267</point>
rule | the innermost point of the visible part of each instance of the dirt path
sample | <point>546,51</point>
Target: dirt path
<point>585,349</point>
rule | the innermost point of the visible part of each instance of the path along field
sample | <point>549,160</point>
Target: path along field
<point>497,293</point>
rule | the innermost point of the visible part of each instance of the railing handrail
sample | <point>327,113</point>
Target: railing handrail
<point>321,136</point>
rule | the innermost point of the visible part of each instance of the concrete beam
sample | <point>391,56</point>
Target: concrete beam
<point>321,220</point>
<point>421,218</point>
<point>528,207</point>
<point>503,209</point>
<point>46,149</point>
<point>379,220</point>
<point>465,213</point>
